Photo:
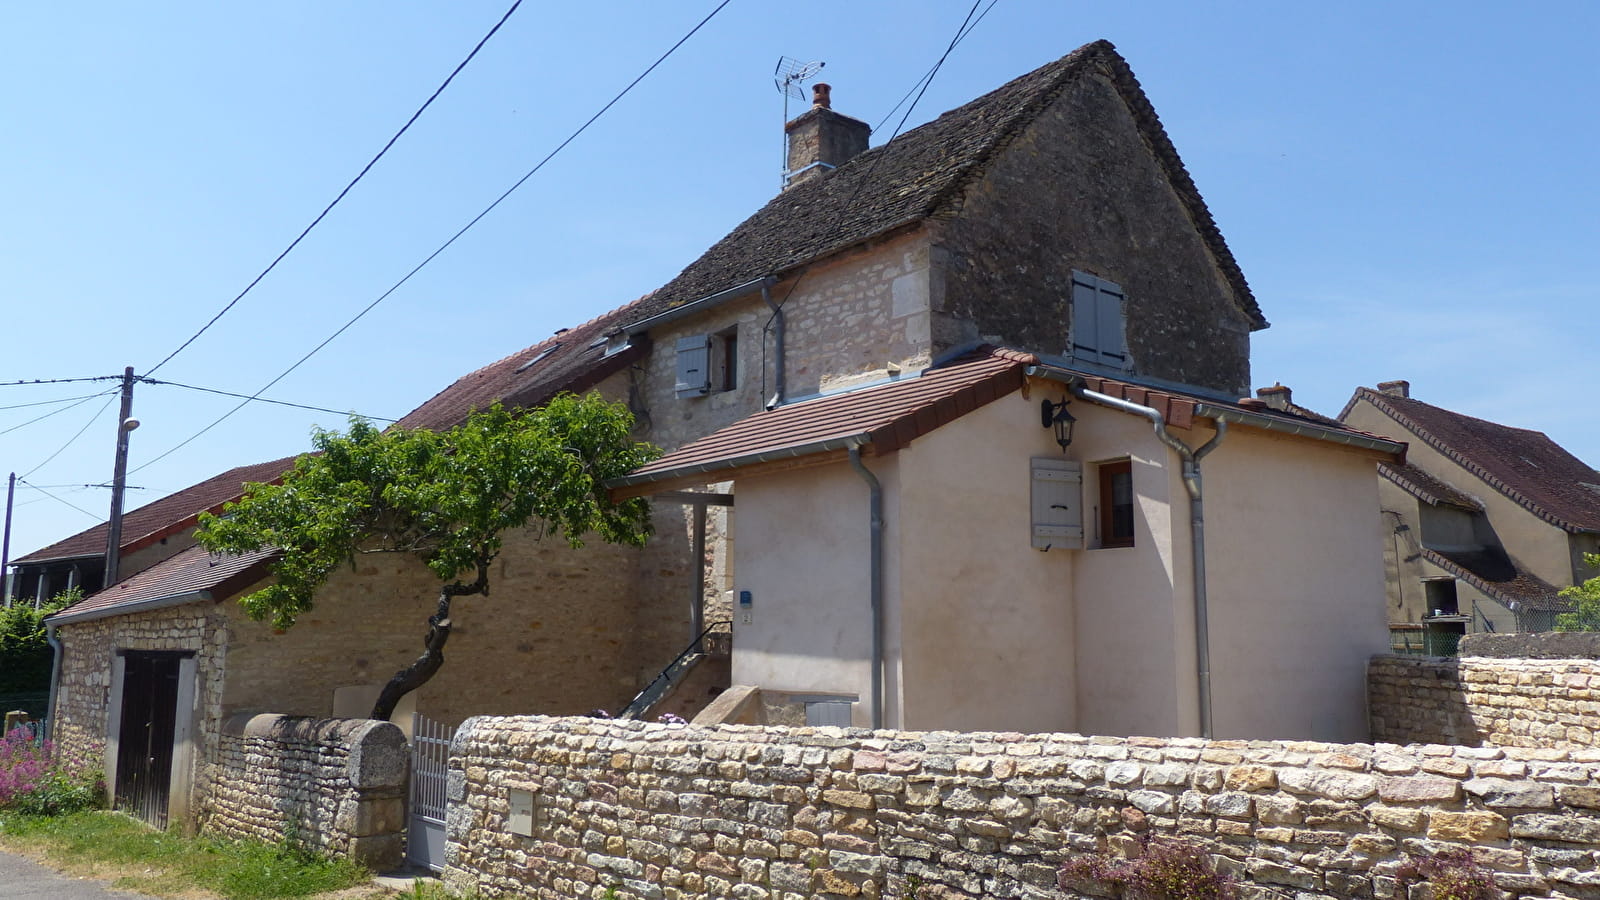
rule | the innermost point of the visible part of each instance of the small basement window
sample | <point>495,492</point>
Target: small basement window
<point>1116,503</point>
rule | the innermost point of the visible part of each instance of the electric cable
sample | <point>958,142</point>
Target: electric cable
<point>49,402</point>
<point>75,506</point>
<point>453,238</point>
<point>960,36</point>
<point>194,387</point>
<point>59,380</point>
<point>71,440</point>
<point>57,412</point>
<point>329,208</point>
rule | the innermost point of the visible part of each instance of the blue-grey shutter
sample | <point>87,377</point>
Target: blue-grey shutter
<point>1057,500</point>
<point>1108,325</point>
<point>1097,321</point>
<point>694,365</point>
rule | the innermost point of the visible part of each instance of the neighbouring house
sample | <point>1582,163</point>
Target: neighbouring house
<point>1483,524</point>
<point>1052,215</point>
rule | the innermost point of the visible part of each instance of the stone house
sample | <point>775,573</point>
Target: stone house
<point>1051,215</point>
<point>1483,525</point>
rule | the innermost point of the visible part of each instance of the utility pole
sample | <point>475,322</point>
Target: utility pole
<point>5,545</point>
<point>119,478</point>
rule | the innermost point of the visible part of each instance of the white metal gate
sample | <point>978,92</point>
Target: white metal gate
<point>430,755</point>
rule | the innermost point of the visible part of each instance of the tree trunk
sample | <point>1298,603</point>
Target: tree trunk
<point>425,666</point>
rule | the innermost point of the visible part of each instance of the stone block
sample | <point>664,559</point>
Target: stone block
<point>1501,793</point>
<point>1567,829</point>
<point>1467,827</point>
<point>1418,789</point>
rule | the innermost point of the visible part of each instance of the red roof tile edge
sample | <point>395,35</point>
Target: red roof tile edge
<point>1417,489</point>
<point>1512,601</point>
<point>170,582</point>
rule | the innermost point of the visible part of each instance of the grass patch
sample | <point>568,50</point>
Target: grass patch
<point>134,857</point>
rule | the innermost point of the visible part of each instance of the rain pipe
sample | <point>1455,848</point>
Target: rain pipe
<point>876,550</point>
<point>1197,530</point>
<point>777,342</point>
<point>55,679</point>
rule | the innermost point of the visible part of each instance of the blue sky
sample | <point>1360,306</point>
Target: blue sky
<point>1410,189</point>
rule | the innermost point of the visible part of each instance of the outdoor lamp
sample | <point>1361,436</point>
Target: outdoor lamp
<point>1056,415</point>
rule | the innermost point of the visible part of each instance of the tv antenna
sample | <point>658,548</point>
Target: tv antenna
<point>788,75</point>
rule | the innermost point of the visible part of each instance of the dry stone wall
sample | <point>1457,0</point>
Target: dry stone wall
<point>335,785</point>
<point>636,810</point>
<point>1474,701</point>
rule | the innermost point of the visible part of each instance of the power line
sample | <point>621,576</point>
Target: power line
<point>59,380</point>
<point>453,238</point>
<point>49,402</point>
<point>928,75</point>
<point>41,490</point>
<point>70,441</point>
<point>192,387</point>
<point>57,412</point>
<point>368,167</point>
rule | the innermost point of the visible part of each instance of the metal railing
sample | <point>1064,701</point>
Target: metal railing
<point>716,639</point>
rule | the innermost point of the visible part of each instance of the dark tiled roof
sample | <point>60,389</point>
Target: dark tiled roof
<point>571,360</point>
<point>169,515</point>
<point>1524,465</point>
<point>183,574</point>
<point>1491,572</point>
<point>922,173</point>
<point>1427,488</point>
<point>883,417</point>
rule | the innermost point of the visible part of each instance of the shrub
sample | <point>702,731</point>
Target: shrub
<point>37,780</point>
<point>1166,869</point>
<point>24,654</point>
<point>1452,874</point>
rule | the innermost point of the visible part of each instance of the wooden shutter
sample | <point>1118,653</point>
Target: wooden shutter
<point>1097,320</point>
<point>694,365</point>
<point>1057,500</point>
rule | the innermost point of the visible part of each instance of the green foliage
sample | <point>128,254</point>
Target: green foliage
<point>446,497</point>
<point>1165,869</point>
<point>1585,615</point>
<point>37,778</point>
<point>24,654</point>
<point>1451,874</point>
<point>169,864</point>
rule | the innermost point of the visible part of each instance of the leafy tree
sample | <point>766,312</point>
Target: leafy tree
<point>24,653</point>
<point>444,497</point>
<point>1585,615</point>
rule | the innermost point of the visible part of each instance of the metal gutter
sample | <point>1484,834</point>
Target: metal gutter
<point>122,609</point>
<point>693,306</point>
<point>782,453</point>
<point>1302,429</point>
<point>876,586</point>
<point>55,679</point>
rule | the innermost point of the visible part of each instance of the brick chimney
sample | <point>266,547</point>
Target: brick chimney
<point>1395,388</point>
<point>821,140</point>
<point>1277,397</point>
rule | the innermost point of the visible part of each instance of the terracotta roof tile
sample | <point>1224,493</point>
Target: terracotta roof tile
<point>169,515</point>
<point>1493,573</point>
<point>923,173</point>
<point>1427,488</point>
<point>184,573</point>
<point>884,418</point>
<point>573,359</point>
<point>1524,465</point>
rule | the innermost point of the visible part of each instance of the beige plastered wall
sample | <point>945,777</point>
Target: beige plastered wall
<point>1295,583</point>
<point>983,631</point>
<point>1536,546</point>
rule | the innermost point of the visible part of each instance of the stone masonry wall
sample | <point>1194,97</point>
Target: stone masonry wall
<point>338,785</point>
<point>635,810</point>
<point>1478,700</point>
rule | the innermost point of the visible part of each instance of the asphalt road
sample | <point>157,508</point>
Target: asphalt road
<point>21,877</point>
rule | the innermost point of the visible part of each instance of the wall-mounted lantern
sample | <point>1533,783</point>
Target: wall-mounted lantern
<point>1056,415</point>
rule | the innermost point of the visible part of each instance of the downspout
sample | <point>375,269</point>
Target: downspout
<point>777,341</point>
<point>876,551</point>
<point>55,680</point>
<point>1197,531</point>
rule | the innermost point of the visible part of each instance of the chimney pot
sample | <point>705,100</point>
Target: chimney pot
<point>821,95</point>
<point>1278,397</point>
<point>1395,388</point>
